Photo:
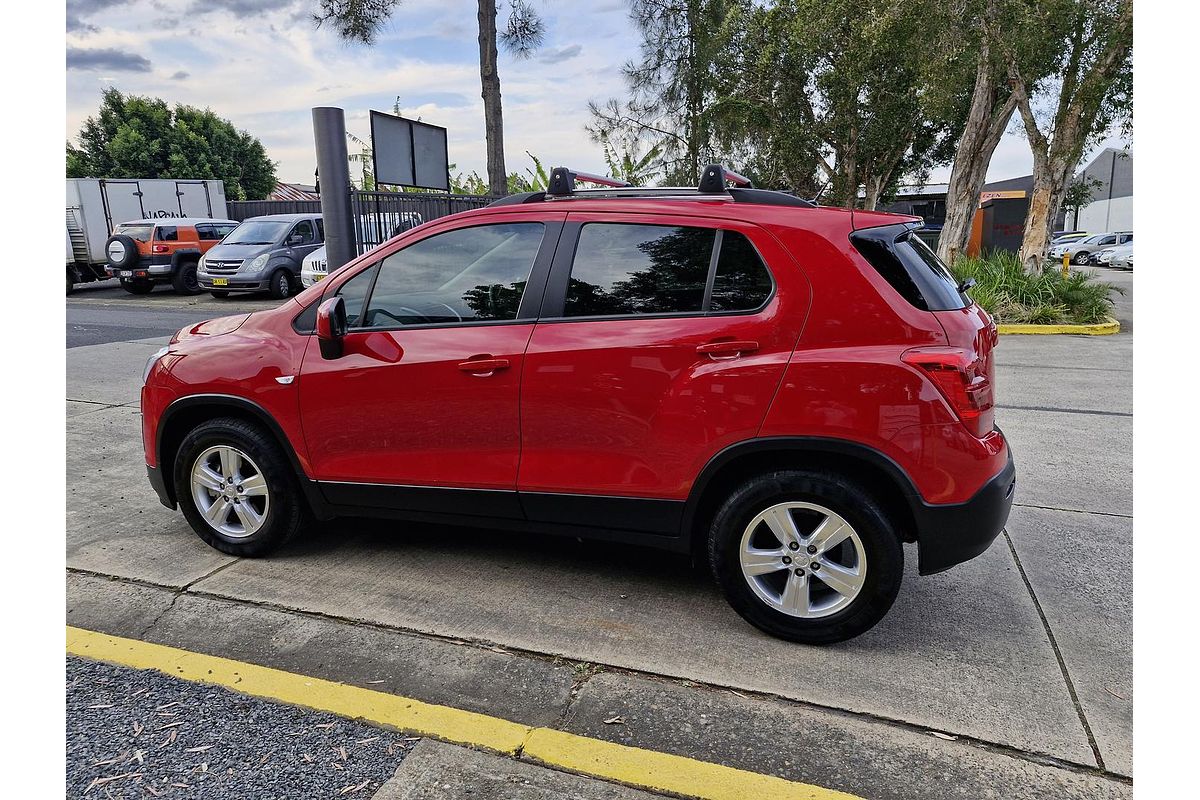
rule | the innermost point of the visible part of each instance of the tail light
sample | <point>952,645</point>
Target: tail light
<point>962,379</point>
<point>160,248</point>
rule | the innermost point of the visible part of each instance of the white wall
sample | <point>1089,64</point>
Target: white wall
<point>1106,215</point>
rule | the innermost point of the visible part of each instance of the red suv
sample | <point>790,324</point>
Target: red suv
<point>788,392</point>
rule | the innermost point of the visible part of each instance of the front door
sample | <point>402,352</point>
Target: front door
<point>425,398</point>
<point>662,341</point>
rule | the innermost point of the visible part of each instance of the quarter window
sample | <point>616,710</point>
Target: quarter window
<point>638,269</point>
<point>742,282</point>
<point>469,274</point>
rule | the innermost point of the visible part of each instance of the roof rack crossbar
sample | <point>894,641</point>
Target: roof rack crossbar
<point>562,181</point>
<point>716,179</point>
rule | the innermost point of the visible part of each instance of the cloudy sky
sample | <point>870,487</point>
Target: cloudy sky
<point>263,64</point>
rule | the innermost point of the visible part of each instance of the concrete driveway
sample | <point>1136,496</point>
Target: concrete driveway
<point>1020,657</point>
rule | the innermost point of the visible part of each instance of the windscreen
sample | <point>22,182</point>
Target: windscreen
<point>257,232</point>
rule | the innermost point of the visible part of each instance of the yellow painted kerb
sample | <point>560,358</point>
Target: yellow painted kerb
<point>592,757</point>
<point>1106,328</point>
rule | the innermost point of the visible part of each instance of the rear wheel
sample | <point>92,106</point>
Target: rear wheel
<point>70,280</point>
<point>185,280</point>
<point>1080,259</point>
<point>137,286</point>
<point>281,284</point>
<point>806,556</point>
<point>237,488</point>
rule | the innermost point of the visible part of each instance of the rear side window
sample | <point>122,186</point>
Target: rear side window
<point>166,233</point>
<point>207,232</point>
<point>629,270</point>
<point>913,270</point>
<point>140,233</point>
<point>639,269</point>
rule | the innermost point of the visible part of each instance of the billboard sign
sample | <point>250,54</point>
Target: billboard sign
<point>407,152</point>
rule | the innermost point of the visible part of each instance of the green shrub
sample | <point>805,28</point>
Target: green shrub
<point>1010,294</point>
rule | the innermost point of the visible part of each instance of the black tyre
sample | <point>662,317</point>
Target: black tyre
<point>806,556</point>
<point>1080,259</point>
<point>237,488</point>
<point>281,284</point>
<point>70,280</point>
<point>185,280</point>
<point>121,251</point>
<point>219,294</point>
<point>137,286</point>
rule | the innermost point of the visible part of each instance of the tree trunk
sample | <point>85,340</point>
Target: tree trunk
<point>1050,176</point>
<point>493,114</point>
<point>985,125</point>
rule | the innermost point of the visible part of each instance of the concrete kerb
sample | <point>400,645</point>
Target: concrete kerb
<point>1106,328</point>
<point>633,766</point>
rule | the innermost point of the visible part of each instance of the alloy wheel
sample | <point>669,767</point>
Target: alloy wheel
<point>803,559</point>
<point>230,491</point>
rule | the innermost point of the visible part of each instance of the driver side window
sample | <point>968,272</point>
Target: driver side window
<point>469,274</point>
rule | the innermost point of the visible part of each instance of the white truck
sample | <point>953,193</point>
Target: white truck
<point>95,206</point>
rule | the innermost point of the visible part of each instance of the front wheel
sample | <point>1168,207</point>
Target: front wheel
<point>806,556</point>
<point>281,284</point>
<point>237,488</point>
<point>1080,259</point>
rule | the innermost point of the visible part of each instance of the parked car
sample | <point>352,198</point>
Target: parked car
<point>144,252</point>
<point>95,206</point>
<point>1062,237</point>
<point>1081,252</point>
<point>263,253</point>
<point>315,265</point>
<point>1123,260</point>
<point>1106,256</point>
<point>637,365</point>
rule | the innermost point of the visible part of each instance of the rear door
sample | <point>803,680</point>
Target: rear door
<point>662,340</point>
<point>122,202</point>
<point>193,199</point>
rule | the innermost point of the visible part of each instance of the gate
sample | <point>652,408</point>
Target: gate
<point>378,216</point>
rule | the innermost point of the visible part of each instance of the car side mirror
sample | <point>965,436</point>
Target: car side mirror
<point>331,327</point>
<point>295,239</point>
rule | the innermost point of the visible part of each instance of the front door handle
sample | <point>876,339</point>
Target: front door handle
<point>724,351</point>
<point>483,366</point>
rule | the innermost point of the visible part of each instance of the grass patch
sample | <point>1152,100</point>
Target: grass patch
<point>1011,295</point>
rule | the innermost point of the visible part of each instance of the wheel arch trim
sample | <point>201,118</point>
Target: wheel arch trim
<point>228,401</point>
<point>794,444</point>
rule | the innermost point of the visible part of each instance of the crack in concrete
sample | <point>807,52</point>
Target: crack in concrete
<point>180,592</point>
<point>1075,510</point>
<point>1062,663</point>
<point>1011,751</point>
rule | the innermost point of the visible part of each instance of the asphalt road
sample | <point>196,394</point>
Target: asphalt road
<point>98,313</point>
<point>134,733</point>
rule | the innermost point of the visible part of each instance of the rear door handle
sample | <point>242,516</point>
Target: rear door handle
<point>483,366</point>
<point>723,351</point>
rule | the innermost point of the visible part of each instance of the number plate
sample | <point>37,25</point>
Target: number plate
<point>220,281</point>
<point>126,273</point>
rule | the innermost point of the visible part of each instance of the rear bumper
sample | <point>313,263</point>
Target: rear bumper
<point>951,534</point>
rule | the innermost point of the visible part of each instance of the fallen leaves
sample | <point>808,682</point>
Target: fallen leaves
<point>617,720</point>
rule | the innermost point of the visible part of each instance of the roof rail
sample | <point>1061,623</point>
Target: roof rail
<point>716,179</point>
<point>714,184</point>
<point>562,181</point>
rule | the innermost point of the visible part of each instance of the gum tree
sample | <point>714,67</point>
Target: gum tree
<point>1089,92</point>
<point>361,21</point>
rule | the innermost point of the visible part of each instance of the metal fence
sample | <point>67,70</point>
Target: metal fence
<point>378,216</point>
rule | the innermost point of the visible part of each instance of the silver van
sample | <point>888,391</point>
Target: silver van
<point>262,253</point>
